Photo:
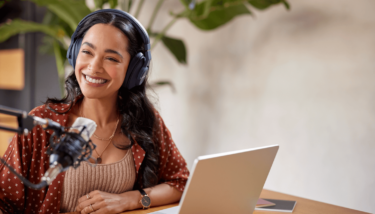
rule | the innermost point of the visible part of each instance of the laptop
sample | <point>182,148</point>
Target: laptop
<point>229,182</point>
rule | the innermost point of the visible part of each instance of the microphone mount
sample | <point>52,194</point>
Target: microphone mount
<point>70,151</point>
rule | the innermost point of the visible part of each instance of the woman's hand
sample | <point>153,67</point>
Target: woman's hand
<point>103,202</point>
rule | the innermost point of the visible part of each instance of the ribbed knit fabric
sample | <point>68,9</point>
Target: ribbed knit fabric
<point>115,178</point>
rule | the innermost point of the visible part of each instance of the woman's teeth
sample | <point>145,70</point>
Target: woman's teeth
<point>97,81</point>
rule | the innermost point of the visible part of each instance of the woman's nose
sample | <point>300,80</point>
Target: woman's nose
<point>95,65</point>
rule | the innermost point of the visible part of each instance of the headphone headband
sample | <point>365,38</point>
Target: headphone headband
<point>142,31</point>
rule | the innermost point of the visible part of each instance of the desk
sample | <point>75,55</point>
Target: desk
<point>304,206</point>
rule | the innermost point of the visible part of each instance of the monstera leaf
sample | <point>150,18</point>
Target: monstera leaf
<point>208,15</point>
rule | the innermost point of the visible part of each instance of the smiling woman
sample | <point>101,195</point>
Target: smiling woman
<point>102,61</point>
<point>138,163</point>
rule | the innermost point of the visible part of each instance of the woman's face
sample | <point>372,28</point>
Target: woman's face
<point>102,61</point>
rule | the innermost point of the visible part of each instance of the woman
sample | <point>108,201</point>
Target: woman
<point>138,159</point>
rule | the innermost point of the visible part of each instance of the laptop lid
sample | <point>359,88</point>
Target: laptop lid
<point>228,182</point>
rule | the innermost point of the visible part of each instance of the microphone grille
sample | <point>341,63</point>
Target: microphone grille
<point>80,122</point>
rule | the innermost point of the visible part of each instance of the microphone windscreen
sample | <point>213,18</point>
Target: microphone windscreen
<point>81,122</point>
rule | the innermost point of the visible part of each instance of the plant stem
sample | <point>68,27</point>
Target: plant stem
<point>139,8</point>
<point>156,9</point>
<point>162,33</point>
<point>60,67</point>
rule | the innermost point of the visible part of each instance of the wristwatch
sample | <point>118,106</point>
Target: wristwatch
<point>145,200</point>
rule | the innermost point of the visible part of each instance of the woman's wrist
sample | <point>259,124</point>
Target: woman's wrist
<point>131,200</point>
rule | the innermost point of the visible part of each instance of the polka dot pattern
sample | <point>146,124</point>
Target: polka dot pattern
<point>28,155</point>
<point>173,168</point>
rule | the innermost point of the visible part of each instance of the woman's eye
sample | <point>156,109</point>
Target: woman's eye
<point>86,52</point>
<point>112,59</point>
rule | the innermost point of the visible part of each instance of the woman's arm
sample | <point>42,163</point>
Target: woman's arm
<point>103,202</point>
<point>160,194</point>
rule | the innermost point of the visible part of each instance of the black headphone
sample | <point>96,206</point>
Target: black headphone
<point>139,64</point>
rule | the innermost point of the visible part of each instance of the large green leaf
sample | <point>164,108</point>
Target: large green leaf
<point>176,47</point>
<point>209,15</point>
<point>19,26</point>
<point>263,4</point>
<point>71,11</point>
<point>53,20</point>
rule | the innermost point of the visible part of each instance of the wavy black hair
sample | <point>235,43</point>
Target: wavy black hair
<point>136,110</point>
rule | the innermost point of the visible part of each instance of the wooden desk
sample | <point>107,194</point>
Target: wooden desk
<point>304,206</point>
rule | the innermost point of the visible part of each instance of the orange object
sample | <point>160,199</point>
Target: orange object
<point>6,136</point>
<point>12,69</point>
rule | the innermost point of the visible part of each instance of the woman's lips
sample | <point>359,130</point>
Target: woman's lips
<point>94,81</point>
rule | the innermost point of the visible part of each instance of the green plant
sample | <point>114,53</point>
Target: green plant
<point>63,17</point>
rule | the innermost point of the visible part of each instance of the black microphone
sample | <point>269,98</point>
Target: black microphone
<point>74,147</point>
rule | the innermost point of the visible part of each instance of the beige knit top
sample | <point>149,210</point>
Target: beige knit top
<point>115,178</point>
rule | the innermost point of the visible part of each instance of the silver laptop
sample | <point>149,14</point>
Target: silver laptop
<point>228,182</point>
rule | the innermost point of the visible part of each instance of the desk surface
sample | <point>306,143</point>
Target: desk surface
<point>303,206</point>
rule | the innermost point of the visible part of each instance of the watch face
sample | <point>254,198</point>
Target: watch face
<point>146,201</point>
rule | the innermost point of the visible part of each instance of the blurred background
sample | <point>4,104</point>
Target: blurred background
<point>302,78</point>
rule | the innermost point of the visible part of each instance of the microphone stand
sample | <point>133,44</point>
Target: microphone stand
<point>71,151</point>
<point>23,119</point>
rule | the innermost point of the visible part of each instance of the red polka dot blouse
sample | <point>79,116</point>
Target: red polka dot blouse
<point>27,154</point>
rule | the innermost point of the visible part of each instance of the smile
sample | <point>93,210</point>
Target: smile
<point>95,80</point>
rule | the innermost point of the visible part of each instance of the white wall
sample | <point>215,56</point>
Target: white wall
<point>303,79</point>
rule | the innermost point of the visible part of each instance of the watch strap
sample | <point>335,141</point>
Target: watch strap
<point>142,192</point>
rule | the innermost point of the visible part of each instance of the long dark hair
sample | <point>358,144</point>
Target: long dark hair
<point>136,110</point>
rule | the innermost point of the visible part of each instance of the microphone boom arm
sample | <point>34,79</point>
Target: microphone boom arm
<point>23,119</point>
<point>72,152</point>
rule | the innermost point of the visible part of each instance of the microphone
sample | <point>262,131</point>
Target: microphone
<point>74,147</point>
<point>71,147</point>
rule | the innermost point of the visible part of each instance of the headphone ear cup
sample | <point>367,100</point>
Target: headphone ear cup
<point>142,74</point>
<point>135,68</point>
<point>73,51</point>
